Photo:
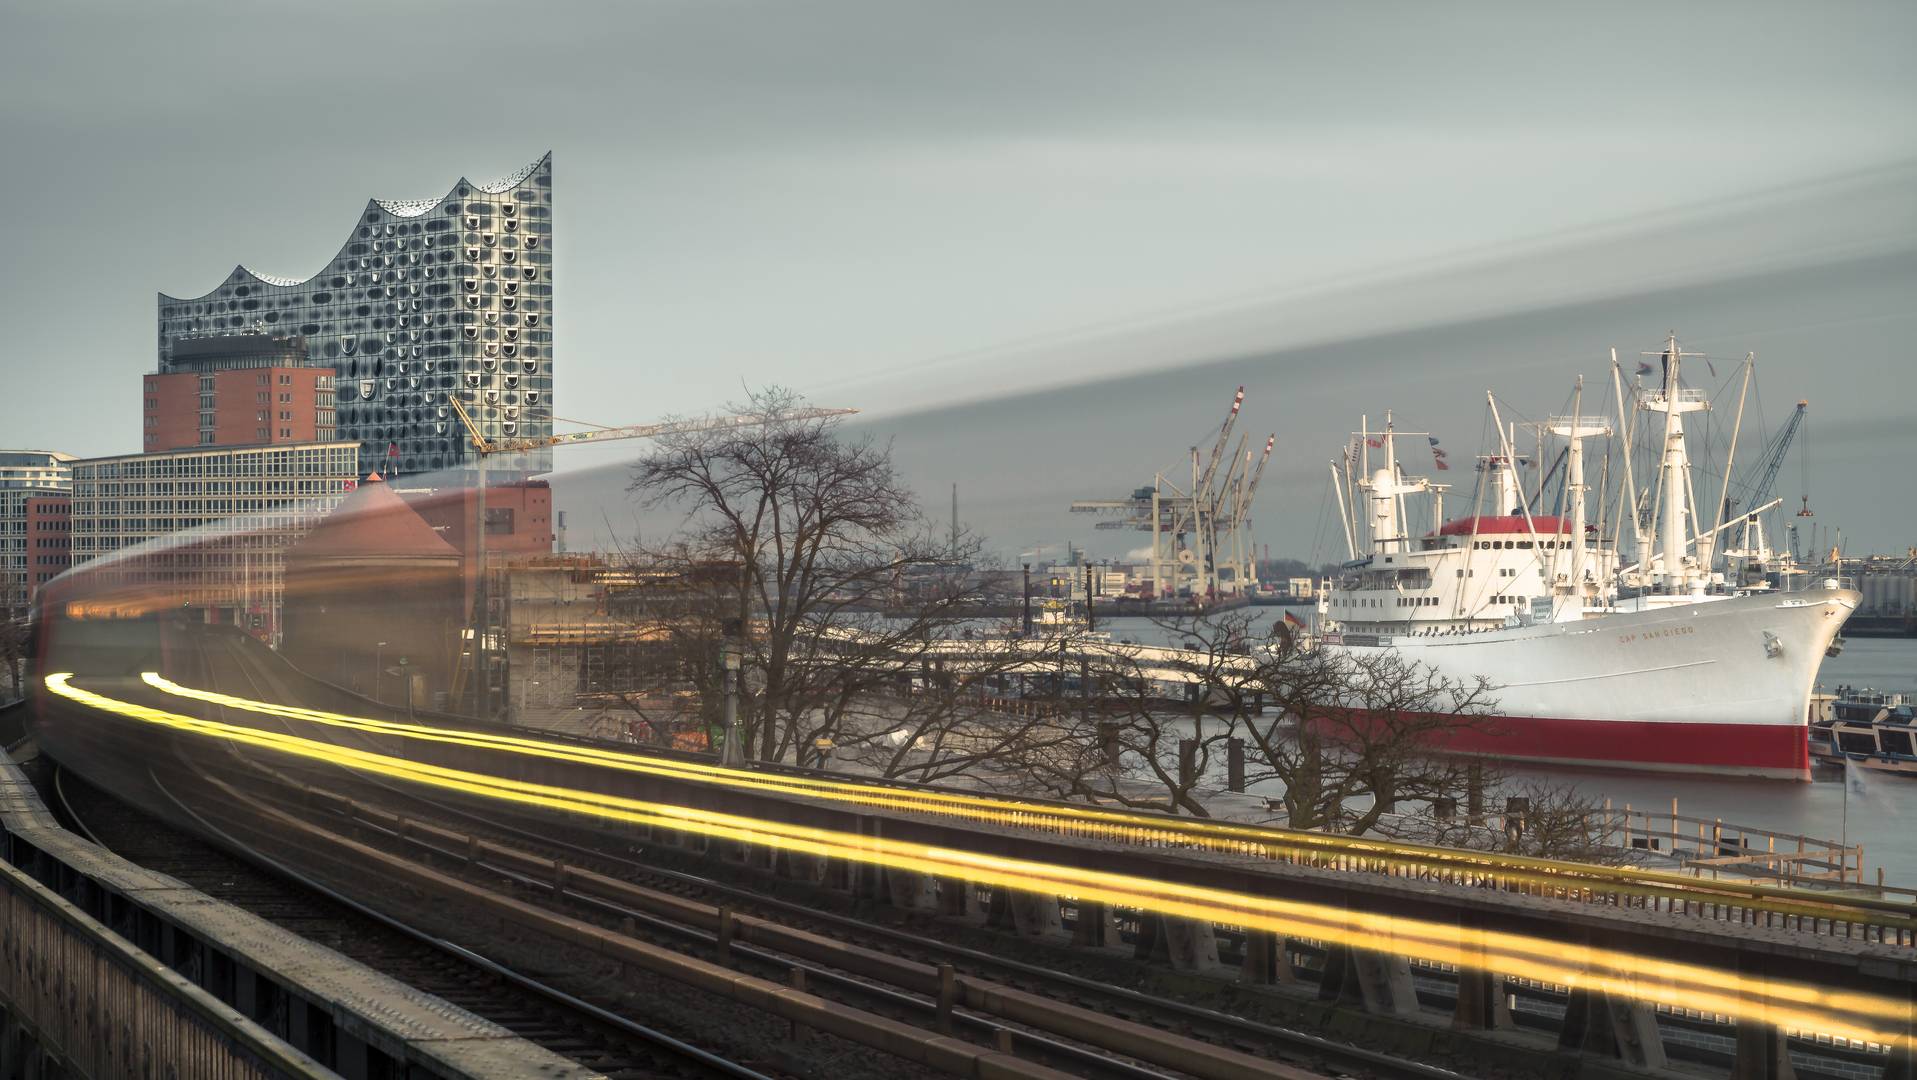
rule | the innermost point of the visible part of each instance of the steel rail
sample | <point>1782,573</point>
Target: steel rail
<point>1356,1055</point>
<point>1391,858</point>
<point>631,1027</point>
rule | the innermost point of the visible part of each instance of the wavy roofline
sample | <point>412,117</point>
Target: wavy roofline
<point>399,209</point>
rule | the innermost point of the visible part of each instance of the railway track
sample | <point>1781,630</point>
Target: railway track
<point>524,848</point>
<point>533,1009</point>
<point>548,844</point>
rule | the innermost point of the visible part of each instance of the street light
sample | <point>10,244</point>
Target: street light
<point>377,696</point>
<point>731,661</point>
<point>405,678</point>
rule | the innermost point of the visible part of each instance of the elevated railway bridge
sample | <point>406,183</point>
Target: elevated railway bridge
<point>1366,957</point>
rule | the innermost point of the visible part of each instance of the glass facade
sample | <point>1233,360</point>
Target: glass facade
<point>426,299</point>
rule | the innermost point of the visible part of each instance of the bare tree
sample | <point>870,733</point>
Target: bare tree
<point>13,652</point>
<point>1355,735</point>
<point>808,549</point>
<point>1147,726</point>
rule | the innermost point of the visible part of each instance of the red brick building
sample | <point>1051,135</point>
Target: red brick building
<point>518,519</point>
<point>49,537</point>
<point>238,390</point>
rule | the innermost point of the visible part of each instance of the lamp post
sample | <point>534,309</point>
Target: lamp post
<point>733,753</point>
<point>376,672</point>
<point>1025,628</point>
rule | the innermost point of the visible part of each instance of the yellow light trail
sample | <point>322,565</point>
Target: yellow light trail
<point>1788,1005</point>
<point>1122,825</point>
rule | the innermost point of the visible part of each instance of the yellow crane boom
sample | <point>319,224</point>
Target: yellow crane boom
<point>634,431</point>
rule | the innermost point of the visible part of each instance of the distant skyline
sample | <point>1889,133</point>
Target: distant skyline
<point>912,207</point>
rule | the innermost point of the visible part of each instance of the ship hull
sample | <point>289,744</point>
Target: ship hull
<point>1720,687</point>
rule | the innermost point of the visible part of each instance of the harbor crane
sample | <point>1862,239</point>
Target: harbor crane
<point>484,448</point>
<point>1200,540</point>
<point>1752,543</point>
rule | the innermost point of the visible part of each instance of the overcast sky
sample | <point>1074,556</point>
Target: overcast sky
<point>905,206</point>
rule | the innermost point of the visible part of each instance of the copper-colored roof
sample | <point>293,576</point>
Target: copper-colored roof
<point>373,522</point>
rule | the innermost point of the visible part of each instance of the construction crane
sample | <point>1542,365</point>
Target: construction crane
<point>484,448</point>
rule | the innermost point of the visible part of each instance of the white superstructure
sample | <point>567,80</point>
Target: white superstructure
<point>1658,662</point>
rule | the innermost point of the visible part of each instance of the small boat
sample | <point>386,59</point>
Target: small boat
<point>1873,729</point>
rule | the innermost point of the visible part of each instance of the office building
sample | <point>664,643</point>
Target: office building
<point>210,525</point>
<point>237,390</point>
<point>33,490</point>
<point>425,299</point>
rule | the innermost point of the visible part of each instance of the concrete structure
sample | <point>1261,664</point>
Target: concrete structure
<point>30,480</point>
<point>238,390</point>
<point>213,524</point>
<point>578,650</point>
<point>371,586</point>
<point>426,298</point>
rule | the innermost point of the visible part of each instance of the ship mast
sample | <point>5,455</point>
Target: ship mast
<point>1574,429</point>
<point>1675,470</point>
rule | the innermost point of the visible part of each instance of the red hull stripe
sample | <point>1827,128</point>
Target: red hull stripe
<point>1768,749</point>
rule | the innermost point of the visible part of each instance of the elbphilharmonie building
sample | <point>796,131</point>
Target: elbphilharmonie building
<point>427,298</point>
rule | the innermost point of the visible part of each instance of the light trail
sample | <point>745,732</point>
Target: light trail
<point>1787,1005</point>
<point>1120,825</point>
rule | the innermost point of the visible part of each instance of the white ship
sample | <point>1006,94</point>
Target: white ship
<point>1659,663</point>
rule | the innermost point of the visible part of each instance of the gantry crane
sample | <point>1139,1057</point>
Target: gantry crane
<point>1210,510</point>
<point>484,448</point>
<point>1754,546</point>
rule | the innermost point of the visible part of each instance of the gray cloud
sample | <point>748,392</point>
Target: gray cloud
<point>815,192</point>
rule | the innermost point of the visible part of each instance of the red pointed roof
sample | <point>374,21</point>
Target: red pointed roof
<point>373,522</point>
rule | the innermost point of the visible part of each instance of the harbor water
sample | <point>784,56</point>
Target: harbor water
<point>1883,819</point>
